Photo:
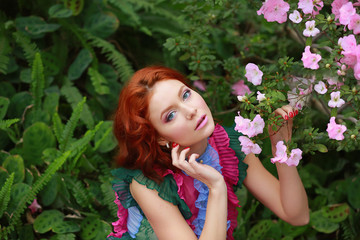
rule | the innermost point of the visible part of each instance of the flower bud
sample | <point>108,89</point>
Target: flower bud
<point>327,65</point>
<point>353,136</point>
<point>329,19</point>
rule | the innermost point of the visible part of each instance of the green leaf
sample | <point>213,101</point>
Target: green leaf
<point>76,6</point>
<point>5,193</point>
<point>47,220</point>
<point>15,164</point>
<point>59,11</point>
<point>321,148</point>
<point>82,61</point>
<point>260,229</point>
<point>337,212</point>
<point>38,81</point>
<point>353,192</point>
<point>101,24</point>
<point>104,138</point>
<point>66,227</point>
<point>4,104</point>
<point>90,227</point>
<point>34,26</point>
<point>98,81</point>
<point>322,224</point>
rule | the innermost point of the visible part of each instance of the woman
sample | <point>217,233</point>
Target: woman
<point>178,170</point>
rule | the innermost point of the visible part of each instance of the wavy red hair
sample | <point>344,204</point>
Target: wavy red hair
<point>137,138</point>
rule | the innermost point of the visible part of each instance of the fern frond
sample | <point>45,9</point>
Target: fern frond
<point>73,96</point>
<point>80,193</point>
<point>29,48</point>
<point>347,233</point>
<point>119,61</point>
<point>36,187</point>
<point>70,126</point>
<point>98,81</point>
<point>4,124</point>
<point>5,49</point>
<point>109,198</point>
<point>98,143</point>
<point>5,193</point>
<point>37,81</point>
<point>126,8</point>
<point>58,127</point>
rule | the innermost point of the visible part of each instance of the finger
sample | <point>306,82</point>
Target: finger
<point>290,111</point>
<point>175,154</point>
<point>282,113</point>
<point>183,154</point>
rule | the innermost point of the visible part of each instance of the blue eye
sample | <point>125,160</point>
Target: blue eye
<point>186,94</point>
<point>170,116</point>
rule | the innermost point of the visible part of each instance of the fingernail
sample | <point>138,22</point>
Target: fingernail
<point>174,145</point>
<point>286,117</point>
<point>186,148</point>
<point>291,115</point>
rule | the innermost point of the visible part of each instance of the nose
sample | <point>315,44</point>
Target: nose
<point>189,111</point>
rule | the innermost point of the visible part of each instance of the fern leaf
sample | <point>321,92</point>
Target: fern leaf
<point>37,81</point>
<point>126,8</point>
<point>120,62</point>
<point>4,124</point>
<point>98,143</point>
<point>98,81</point>
<point>5,193</point>
<point>80,193</point>
<point>58,127</point>
<point>70,126</point>
<point>29,48</point>
<point>108,198</point>
<point>4,51</point>
<point>37,186</point>
<point>73,96</point>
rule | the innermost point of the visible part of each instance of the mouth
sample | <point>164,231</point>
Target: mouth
<point>201,122</point>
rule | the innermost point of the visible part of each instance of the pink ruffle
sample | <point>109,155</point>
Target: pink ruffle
<point>228,160</point>
<point>120,226</point>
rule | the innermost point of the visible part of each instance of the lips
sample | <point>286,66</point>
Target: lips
<point>201,122</point>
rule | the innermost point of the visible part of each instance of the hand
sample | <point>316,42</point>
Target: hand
<point>283,132</point>
<point>204,173</point>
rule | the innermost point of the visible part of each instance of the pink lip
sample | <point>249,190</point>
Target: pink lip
<point>201,122</point>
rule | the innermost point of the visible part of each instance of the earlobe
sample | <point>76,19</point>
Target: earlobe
<point>163,142</point>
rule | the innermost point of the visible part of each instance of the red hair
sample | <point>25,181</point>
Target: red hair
<point>137,138</point>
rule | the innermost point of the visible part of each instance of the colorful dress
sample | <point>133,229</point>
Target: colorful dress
<point>190,195</point>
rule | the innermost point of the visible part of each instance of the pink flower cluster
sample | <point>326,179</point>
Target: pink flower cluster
<point>335,131</point>
<point>309,6</point>
<point>253,74</point>
<point>351,52</point>
<point>248,127</point>
<point>248,146</point>
<point>282,155</point>
<point>310,60</point>
<point>274,10</point>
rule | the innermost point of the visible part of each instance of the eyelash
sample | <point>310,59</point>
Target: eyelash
<point>187,91</point>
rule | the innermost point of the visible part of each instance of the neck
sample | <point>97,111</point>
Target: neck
<point>199,147</point>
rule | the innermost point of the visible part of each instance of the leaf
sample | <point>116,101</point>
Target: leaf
<point>101,24</point>
<point>5,49</point>
<point>47,220</point>
<point>336,212</point>
<point>98,81</point>
<point>353,193</point>
<point>260,229</point>
<point>37,81</point>
<point>59,11</point>
<point>82,61</point>
<point>321,148</point>
<point>15,164</point>
<point>29,48</point>
<point>4,104</point>
<point>5,193</point>
<point>76,6</point>
<point>34,26</point>
<point>322,224</point>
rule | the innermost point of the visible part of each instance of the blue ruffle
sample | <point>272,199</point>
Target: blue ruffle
<point>209,157</point>
<point>134,221</point>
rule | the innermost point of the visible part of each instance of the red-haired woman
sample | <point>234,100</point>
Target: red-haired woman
<point>178,170</point>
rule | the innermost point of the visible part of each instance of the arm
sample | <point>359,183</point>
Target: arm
<point>166,219</point>
<point>285,196</point>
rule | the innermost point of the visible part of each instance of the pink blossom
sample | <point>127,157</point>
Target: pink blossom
<point>320,87</point>
<point>253,74</point>
<point>248,127</point>
<point>247,146</point>
<point>260,96</point>
<point>295,17</point>
<point>274,10</point>
<point>310,60</point>
<point>280,155</point>
<point>34,207</point>
<point>334,82</point>
<point>357,71</point>
<point>348,44</point>
<point>257,126</point>
<point>318,4</point>
<point>335,131</point>
<point>295,157</point>
<point>355,23</point>
<point>240,88</point>
<point>335,100</point>
<point>306,6</point>
<point>346,12</point>
<point>335,7</point>
<point>200,85</point>
<point>242,124</point>
<point>310,30</point>
<point>296,100</point>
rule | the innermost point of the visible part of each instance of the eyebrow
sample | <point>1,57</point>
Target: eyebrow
<point>169,107</point>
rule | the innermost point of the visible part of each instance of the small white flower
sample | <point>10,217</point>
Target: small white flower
<point>311,30</point>
<point>295,17</point>
<point>335,100</point>
<point>320,87</point>
<point>260,96</point>
<point>241,98</point>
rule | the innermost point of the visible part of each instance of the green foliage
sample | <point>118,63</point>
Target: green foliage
<point>38,81</point>
<point>5,193</point>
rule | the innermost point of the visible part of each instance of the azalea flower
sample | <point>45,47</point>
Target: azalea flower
<point>310,60</point>
<point>335,7</point>
<point>247,146</point>
<point>242,125</point>
<point>295,17</point>
<point>346,12</point>
<point>253,74</point>
<point>320,87</point>
<point>241,98</point>
<point>274,10</point>
<point>335,131</point>
<point>335,100</point>
<point>260,96</point>
<point>34,207</point>
<point>354,23</point>
<point>306,6</point>
<point>310,30</point>
<point>200,85</point>
<point>240,88</point>
<point>280,155</point>
<point>295,157</point>
<point>257,126</point>
<point>248,127</point>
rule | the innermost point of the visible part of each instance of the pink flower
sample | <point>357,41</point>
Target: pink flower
<point>346,12</point>
<point>248,127</point>
<point>310,60</point>
<point>335,100</point>
<point>306,6</point>
<point>295,157</point>
<point>335,7</point>
<point>253,74</point>
<point>200,85</point>
<point>296,100</point>
<point>357,71</point>
<point>280,155</point>
<point>34,207</point>
<point>260,96</point>
<point>247,146</point>
<point>310,30</point>
<point>335,131</point>
<point>242,124</point>
<point>274,10</point>
<point>348,44</point>
<point>240,88</point>
<point>257,126</point>
<point>355,23</point>
<point>320,87</point>
<point>295,17</point>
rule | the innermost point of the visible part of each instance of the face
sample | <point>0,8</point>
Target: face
<point>180,114</point>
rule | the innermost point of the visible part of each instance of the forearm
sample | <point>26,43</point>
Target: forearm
<point>216,214</point>
<point>293,195</point>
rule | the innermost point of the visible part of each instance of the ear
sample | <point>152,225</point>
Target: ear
<point>163,141</point>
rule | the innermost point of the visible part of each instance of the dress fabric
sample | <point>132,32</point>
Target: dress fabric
<point>190,195</point>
